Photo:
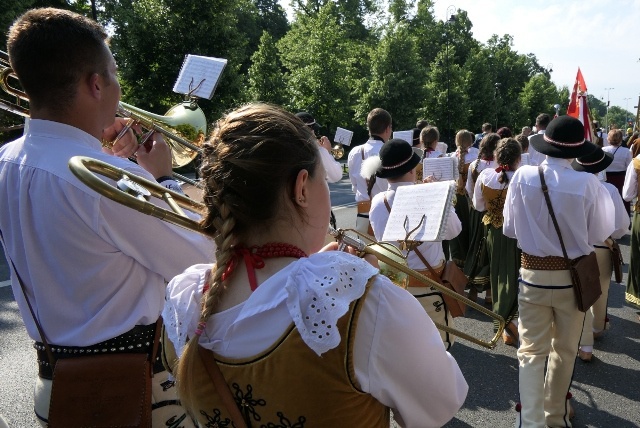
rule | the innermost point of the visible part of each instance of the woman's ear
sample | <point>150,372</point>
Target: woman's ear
<point>300,191</point>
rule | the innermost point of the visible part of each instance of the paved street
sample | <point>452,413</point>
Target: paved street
<point>606,391</point>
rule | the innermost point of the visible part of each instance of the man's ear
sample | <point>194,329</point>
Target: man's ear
<point>94,84</point>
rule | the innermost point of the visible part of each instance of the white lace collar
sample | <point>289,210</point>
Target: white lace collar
<point>317,292</point>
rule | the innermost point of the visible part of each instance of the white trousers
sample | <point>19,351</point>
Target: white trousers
<point>549,326</point>
<point>433,303</point>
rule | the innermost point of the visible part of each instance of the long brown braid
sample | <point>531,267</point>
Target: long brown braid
<point>252,158</point>
<point>508,154</point>
<point>487,147</point>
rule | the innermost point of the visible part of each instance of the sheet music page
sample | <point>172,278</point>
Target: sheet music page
<point>197,69</point>
<point>444,168</point>
<point>442,147</point>
<point>432,200</point>
<point>404,135</point>
<point>343,136</point>
<point>524,159</point>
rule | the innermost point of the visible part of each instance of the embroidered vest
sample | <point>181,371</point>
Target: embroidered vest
<point>289,385</point>
<point>494,202</point>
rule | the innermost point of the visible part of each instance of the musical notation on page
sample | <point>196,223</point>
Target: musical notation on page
<point>404,135</point>
<point>199,76</point>
<point>411,203</point>
<point>343,136</point>
<point>444,168</point>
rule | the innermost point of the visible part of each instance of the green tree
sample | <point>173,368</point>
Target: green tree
<point>538,96</point>
<point>446,100</point>
<point>319,64</point>
<point>397,79</point>
<point>272,18</point>
<point>482,96</point>
<point>266,81</point>
<point>152,37</point>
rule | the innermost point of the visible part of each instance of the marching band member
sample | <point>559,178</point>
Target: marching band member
<point>476,265</point>
<point>93,270</point>
<point>549,322</point>
<point>504,255</point>
<point>429,137</point>
<point>617,169</point>
<point>465,154</point>
<point>595,321</point>
<point>629,193</point>
<point>397,163</point>
<point>273,307</point>
<point>331,165</point>
<point>365,188</point>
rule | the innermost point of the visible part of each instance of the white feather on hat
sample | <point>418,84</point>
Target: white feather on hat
<point>369,167</point>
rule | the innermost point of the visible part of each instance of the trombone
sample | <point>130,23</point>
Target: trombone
<point>134,192</point>
<point>184,124</point>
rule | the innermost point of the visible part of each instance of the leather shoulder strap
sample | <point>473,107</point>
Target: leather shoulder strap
<point>386,203</point>
<point>426,263</point>
<point>545,191</point>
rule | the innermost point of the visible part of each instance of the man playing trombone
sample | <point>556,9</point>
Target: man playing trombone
<point>93,270</point>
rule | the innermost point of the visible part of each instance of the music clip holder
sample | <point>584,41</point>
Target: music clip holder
<point>409,244</point>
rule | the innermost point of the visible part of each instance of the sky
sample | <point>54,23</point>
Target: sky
<point>599,36</point>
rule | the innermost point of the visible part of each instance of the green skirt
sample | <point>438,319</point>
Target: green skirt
<point>633,276</point>
<point>504,262</point>
<point>476,265</point>
<point>459,245</point>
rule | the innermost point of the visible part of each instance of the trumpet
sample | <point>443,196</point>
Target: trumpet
<point>134,192</point>
<point>5,74</point>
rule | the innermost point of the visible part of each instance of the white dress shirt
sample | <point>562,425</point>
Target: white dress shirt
<point>93,268</point>
<point>331,166</point>
<point>482,165</point>
<point>394,332</point>
<point>489,178</point>
<point>630,187</point>
<point>621,220</point>
<point>621,158</point>
<point>358,184</point>
<point>582,206</point>
<point>432,251</point>
<point>470,156</point>
<point>535,157</point>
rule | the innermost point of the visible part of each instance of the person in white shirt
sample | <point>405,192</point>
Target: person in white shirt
<point>629,193</point>
<point>549,323</point>
<point>595,321</point>
<point>397,164</point>
<point>542,121</point>
<point>622,157</point>
<point>365,188</point>
<point>429,137</point>
<point>331,165</point>
<point>275,306</point>
<point>94,270</point>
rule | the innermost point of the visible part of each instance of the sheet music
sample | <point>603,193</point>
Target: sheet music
<point>442,147</point>
<point>524,159</point>
<point>343,136</point>
<point>199,70</point>
<point>444,168</point>
<point>432,200</point>
<point>404,135</point>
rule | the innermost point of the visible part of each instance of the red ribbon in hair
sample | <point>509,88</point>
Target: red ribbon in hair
<point>503,168</point>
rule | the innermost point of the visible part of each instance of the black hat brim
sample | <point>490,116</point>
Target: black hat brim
<point>401,170</point>
<point>596,167</point>
<point>562,152</point>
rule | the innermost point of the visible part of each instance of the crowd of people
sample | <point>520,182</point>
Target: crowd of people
<point>264,323</point>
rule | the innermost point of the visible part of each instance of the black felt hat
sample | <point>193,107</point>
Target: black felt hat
<point>564,139</point>
<point>594,162</point>
<point>397,158</point>
<point>308,120</point>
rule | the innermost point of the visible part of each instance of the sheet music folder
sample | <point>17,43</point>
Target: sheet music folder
<point>199,75</point>
<point>433,200</point>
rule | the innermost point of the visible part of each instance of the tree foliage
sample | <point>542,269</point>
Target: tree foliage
<point>266,81</point>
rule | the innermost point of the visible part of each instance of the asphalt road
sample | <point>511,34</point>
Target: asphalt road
<point>606,391</point>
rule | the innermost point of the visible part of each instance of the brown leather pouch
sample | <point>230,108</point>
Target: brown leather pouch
<point>616,262</point>
<point>454,279</point>
<point>586,280</point>
<point>101,391</point>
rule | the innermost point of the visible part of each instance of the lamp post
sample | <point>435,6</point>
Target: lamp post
<point>557,107</point>
<point>496,99</point>
<point>606,120</point>
<point>549,68</point>
<point>451,19</point>
<point>626,112</point>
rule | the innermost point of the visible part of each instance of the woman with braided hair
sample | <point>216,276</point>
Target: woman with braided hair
<point>504,256</point>
<point>302,337</point>
<point>476,265</point>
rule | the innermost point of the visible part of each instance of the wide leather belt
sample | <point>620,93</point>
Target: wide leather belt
<point>413,282</point>
<point>543,263</point>
<point>364,207</point>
